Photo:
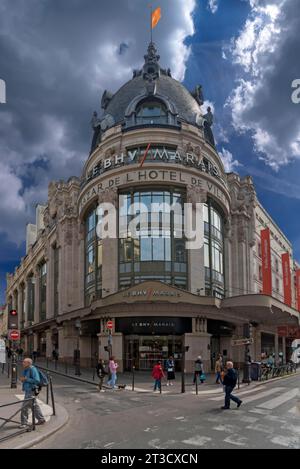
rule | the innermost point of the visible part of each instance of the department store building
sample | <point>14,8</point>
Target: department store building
<point>153,144</point>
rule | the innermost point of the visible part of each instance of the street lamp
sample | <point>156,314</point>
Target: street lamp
<point>185,348</point>
<point>77,351</point>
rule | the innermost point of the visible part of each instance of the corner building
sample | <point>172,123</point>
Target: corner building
<point>159,295</point>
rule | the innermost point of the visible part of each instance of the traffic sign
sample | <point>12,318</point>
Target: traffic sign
<point>14,335</point>
<point>244,341</point>
<point>109,325</point>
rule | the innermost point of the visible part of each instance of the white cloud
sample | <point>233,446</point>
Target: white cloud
<point>261,102</point>
<point>229,163</point>
<point>213,5</point>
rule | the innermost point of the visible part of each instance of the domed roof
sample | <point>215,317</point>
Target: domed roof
<point>166,86</point>
<point>151,83</point>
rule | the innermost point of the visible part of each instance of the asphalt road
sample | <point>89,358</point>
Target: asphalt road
<point>268,418</point>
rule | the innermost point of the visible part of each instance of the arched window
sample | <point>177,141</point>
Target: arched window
<point>151,112</point>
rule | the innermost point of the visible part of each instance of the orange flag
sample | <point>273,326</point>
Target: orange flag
<point>156,16</point>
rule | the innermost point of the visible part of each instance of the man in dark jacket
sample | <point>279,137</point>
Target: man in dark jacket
<point>229,382</point>
<point>100,373</point>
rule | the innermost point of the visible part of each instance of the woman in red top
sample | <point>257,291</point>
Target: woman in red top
<point>157,374</point>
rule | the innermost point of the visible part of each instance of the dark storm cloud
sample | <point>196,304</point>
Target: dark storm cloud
<point>57,57</point>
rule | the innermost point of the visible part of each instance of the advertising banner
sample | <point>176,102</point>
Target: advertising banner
<point>266,262</point>
<point>286,271</point>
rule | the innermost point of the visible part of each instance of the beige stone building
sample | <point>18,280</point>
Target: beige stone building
<point>152,144</point>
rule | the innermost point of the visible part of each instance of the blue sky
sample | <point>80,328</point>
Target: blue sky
<point>58,56</point>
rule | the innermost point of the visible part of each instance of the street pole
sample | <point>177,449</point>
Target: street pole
<point>13,383</point>
<point>183,371</point>
<point>246,372</point>
<point>77,362</point>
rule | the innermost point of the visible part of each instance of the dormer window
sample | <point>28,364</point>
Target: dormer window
<point>151,112</point>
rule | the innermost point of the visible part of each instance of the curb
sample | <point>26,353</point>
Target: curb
<point>63,416</point>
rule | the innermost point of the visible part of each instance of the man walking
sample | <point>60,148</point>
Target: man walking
<point>100,373</point>
<point>218,369</point>
<point>229,382</point>
<point>30,380</point>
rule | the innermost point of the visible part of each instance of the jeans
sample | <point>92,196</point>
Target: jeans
<point>157,384</point>
<point>28,405</point>
<point>112,380</point>
<point>228,396</point>
<point>218,377</point>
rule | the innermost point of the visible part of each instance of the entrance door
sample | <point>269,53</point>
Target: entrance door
<point>145,351</point>
<point>214,350</point>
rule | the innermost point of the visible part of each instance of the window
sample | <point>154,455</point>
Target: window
<point>158,251</point>
<point>213,250</point>
<point>93,259</point>
<point>43,290</point>
<point>151,112</point>
<point>30,297</point>
<point>56,276</point>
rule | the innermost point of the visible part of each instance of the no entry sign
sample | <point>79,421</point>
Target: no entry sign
<point>14,335</point>
<point>109,325</point>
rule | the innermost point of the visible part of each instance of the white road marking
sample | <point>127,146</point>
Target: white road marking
<point>287,441</point>
<point>248,419</point>
<point>109,445</point>
<point>295,410</point>
<point>237,393</point>
<point>292,428</point>
<point>179,418</point>
<point>260,428</point>
<point>227,428</point>
<point>260,411</point>
<point>277,401</point>
<point>197,440</point>
<point>236,440</point>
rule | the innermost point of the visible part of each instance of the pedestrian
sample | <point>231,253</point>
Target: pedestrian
<point>199,370</point>
<point>100,373</point>
<point>170,367</point>
<point>31,380</point>
<point>113,372</point>
<point>55,355</point>
<point>218,369</point>
<point>229,382</point>
<point>157,374</point>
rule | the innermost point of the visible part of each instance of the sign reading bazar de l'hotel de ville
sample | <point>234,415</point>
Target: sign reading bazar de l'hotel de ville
<point>157,155</point>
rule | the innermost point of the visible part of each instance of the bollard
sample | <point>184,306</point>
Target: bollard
<point>133,368</point>
<point>33,413</point>
<point>238,378</point>
<point>52,395</point>
<point>93,374</point>
<point>197,385</point>
<point>47,395</point>
<point>160,391</point>
<point>47,362</point>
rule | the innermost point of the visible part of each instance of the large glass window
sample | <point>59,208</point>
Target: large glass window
<point>93,259</point>
<point>30,297</point>
<point>157,252</point>
<point>151,112</point>
<point>43,291</point>
<point>213,250</point>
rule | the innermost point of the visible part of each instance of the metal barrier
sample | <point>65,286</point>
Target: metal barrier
<point>11,418</point>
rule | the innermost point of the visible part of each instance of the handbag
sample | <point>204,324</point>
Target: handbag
<point>202,377</point>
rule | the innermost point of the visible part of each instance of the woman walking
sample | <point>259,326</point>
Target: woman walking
<point>170,367</point>
<point>113,372</point>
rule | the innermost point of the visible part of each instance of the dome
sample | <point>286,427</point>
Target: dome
<point>151,98</point>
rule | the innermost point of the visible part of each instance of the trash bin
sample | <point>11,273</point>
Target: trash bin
<point>255,371</point>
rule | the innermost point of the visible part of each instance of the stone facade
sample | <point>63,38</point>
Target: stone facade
<point>59,242</point>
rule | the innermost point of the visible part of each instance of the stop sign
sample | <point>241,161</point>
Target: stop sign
<point>109,324</point>
<point>14,335</point>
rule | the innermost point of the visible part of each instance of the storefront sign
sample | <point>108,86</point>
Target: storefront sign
<point>153,326</point>
<point>266,262</point>
<point>156,154</point>
<point>289,331</point>
<point>164,176</point>
<point>151,293</point>
<point>286,271</point>
<point>298,288</point>
<point>282,331</point>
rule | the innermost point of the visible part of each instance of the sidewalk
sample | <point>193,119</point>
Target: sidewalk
<point>143,381</point>
<point>26,439</point>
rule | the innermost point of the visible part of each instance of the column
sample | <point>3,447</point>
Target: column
<point>196,269</point>
<point>35,341</point>
<point>50,285</point>
<point>276,349</point>
<point>49,345</point>
<point>110,249</point>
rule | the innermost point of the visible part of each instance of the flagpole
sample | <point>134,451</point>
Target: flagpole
<point>151,23</point>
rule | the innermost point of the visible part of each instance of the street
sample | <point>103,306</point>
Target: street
<point>268,418</point>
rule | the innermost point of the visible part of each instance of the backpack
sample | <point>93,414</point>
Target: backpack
<point>43,381</point>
